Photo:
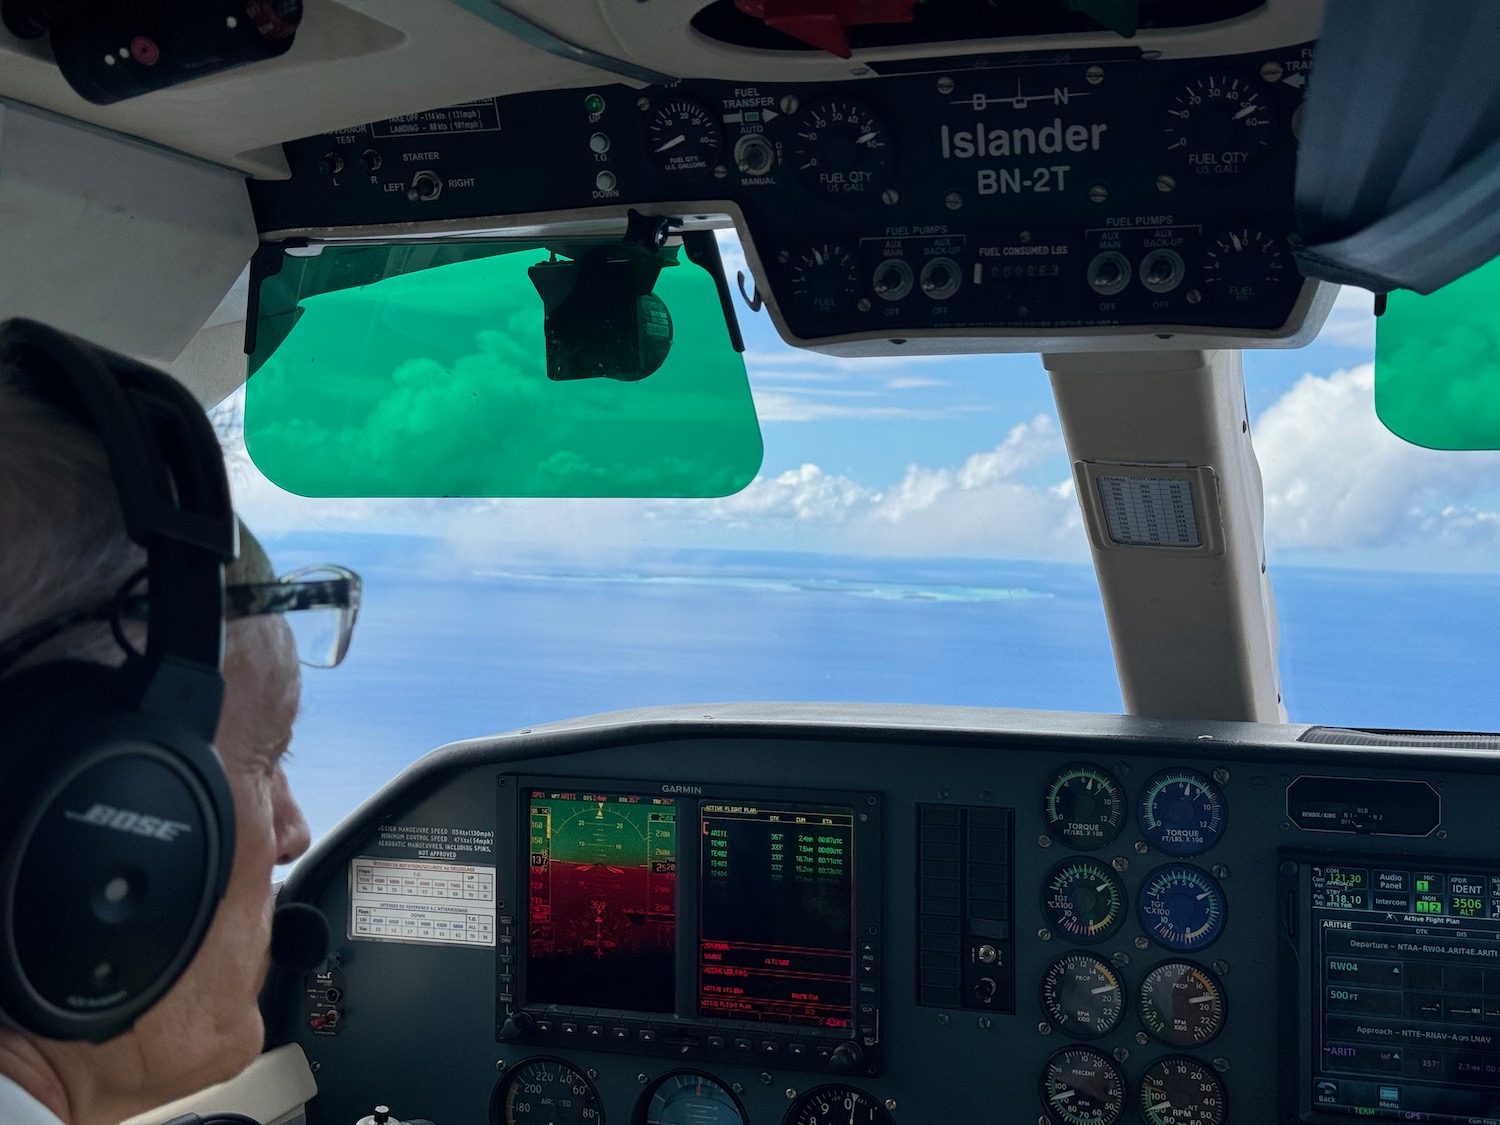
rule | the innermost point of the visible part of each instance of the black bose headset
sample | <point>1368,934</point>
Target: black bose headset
<point>116,819</point>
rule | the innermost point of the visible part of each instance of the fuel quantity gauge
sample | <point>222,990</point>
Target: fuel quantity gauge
<point>1084,806</point>
<point>1219,126</point>
<point>1084,899</point>
<point>683,138</point>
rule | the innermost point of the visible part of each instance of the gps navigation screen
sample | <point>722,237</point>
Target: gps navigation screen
<point>776,938</point>
<point>602,915</point>
<point>1405,975</point>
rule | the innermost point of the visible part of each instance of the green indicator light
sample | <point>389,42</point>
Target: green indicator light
<point>1429,908</point>
<point>594,103</point>
<point>1423,885</point>
<point>751,116</point>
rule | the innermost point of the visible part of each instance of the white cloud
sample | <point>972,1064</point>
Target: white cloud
<point>1337,480</point>
<point>1351,323</point>
<point>906,382</point>
<point>785,406</point>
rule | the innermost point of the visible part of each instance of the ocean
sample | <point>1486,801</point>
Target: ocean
<point>445,652</point>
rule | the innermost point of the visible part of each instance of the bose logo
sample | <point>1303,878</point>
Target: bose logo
<point>123,820</point>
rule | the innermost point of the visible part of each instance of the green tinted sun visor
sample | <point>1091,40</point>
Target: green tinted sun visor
<point>1437,363</point>
<point>556,368</point>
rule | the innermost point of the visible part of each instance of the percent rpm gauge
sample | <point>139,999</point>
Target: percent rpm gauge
<point>1182,812</point>
<point>1082,1087</point>
<point>1084,899</point>
<point>1084,806</point>
<point>1181,907</point>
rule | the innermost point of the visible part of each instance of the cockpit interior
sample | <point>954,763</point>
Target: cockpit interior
<point>807,913</point>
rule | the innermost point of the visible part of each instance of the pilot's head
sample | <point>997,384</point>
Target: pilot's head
<point>64,550</point>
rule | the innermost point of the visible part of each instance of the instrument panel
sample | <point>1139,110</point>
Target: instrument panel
<point>809,915</point>
<point>1080,193</point>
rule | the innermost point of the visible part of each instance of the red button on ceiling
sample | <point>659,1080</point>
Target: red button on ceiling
<point>822,23</point>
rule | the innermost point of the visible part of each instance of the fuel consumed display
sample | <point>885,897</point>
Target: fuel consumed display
<point>776,937</point>
<point>602,915</point>
<point>1406,990</point>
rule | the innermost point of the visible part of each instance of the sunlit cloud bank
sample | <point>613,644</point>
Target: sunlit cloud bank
<point>1338,483</point>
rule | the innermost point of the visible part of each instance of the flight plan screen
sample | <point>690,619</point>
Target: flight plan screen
<point>602,894</point>
<point>776,914</point>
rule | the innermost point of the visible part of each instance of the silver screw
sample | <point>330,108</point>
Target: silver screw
<point>766,1079</point>
<point>943,794</point>
<point>643,104</point>
<point>720,171</point>
<point>943,1017</point>
<point>1120,864</point>
<point>789,104</point>
<point>1221,1064</point>
<point>642,1079</point>
<point>1025,236</point>
<point>1120,959</point>
<point>1094,74</point>
<point>592,1073</point>
<point>738,1087</point>
<point>1219,871</point>
<point>1221,967</point>
<point>945,85</point>
<point>1271,71</point>
<point>953,200</point>
<point>783,256</point>
<point>1044,1027</point>
<point>1193,296</point>
<point>1044,933</point>
<point>790,1093</point>
<point>1121,1053</point>
<point>890,1103</point>
<point>499,1064</point>
<point>1165,182</point>
<point>1141,848</point>
<point>985,1023</point>
<point>890,197</point>
<point>1044,841</point>
<point>1140,1037</point>
<point>1141,943</point>
<point>1221,775</point>
<point>1098,193</point>
<point>863,306</point>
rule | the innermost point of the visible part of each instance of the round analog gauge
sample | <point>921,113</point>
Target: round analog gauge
<point>683,138</point>
<point>1218,126</point>
<point>1182,812</point>
<point>842,152</point>
<point>692,1099</point>
<point>825,278</point>
<point>1244,266</point>
<point>1084,899</point>
<point>1082,1087</point>
<point>838,1105</point>
<point>1181,1091</point>
<point>1082,996</point>
<point>1181,907</point>
<point>1182,1004</point>
<point>545,1092</point>
<point>1085,806</point>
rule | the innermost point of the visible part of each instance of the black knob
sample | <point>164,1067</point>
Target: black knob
<point>517,1025</point>
<point>382,1114</point>
<point>331,164</point>
<point>846,1056</point>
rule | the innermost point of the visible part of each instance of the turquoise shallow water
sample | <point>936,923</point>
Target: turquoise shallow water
<point>446,652</point>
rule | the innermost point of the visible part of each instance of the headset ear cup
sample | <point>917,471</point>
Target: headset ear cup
<point>116,840</point>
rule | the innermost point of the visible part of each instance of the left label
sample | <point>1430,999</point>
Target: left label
<point>421,903</point>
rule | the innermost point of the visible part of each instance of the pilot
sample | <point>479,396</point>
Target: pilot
<point>63,550</point>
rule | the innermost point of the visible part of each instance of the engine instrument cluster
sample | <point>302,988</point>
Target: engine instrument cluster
<point>810,916</point>
<point>1023,196</point>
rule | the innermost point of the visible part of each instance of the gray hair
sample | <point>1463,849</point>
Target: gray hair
<point>63,545</point>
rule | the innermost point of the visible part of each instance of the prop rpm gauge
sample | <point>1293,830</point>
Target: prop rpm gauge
<point>1182,812</point>
<point>1181,1091</point>
<point>1182,1004</point>
<point>838,1105</point>
<point>545,1092</point>
<point>842,151</point>
<point>692,1099</point>
<point>1082,1087</point>
<point>1084,899</point>
<point>1084,806</point>
<point>1219,126</point>
<point>683,138</point>
<point>1181,907</point>
<point>1082,996</point>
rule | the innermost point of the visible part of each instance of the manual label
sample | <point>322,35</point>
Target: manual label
<point>421,903</point>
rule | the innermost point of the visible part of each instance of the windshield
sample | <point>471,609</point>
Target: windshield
<point>912,537</point>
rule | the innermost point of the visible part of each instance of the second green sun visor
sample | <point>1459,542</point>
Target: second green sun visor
<point>564,368</point>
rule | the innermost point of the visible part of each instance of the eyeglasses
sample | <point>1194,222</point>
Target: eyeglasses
<point>320,603</point>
